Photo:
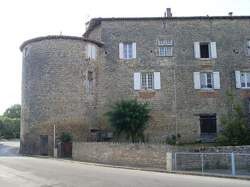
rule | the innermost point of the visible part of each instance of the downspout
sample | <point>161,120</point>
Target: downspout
<point>175,105</point>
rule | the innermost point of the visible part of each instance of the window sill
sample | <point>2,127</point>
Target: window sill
<point>207,90</point>
<point>205,59</point>
<point>244,88</point>
<point>164,56</point>
<point>127,59</point>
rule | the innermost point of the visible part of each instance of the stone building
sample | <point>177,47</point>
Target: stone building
<point>182,66</point>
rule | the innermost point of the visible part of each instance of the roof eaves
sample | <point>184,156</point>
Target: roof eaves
<point>98,43</point>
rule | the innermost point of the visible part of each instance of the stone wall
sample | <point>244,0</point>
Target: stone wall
<point>135,155</point>
<point>54,91</point>
<point>154,155</point>
<point>177,105</point>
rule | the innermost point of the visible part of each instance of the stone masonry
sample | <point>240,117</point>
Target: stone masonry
<point>55,76</point>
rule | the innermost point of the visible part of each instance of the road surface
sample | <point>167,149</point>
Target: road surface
<point>18,171</point>
<point>9,148</point>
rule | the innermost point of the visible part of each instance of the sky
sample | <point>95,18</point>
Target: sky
<point>21,20</point>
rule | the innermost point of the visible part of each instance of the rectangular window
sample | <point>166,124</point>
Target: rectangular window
<point>208,124</point>
<point>248,47</point>
<point>90,83</point>
<point>165,51</point>
<point>204,50</point>
<point>165,42</point>
<point>206,80</point>
<point>165,48</point>
<point>147,80</point>
<point>128,50</point>
<point>245,79</point>
<point>91,51</point>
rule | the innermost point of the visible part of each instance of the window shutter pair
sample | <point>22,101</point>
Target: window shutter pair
<point>137,80</point>
<point>213,50</point>
<point>121,51</point>
<point>197,81</point>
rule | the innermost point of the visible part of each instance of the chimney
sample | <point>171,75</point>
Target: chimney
<point>230,13</point>
<point>169,14</point>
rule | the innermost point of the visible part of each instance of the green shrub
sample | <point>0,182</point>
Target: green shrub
<point>129,117</point>
<point>66,137</point>
<point>235,129</point>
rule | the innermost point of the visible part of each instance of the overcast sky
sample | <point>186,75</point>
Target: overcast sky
<point>24,19</point>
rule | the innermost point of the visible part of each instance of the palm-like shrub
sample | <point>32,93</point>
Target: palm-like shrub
<point>129,117</point>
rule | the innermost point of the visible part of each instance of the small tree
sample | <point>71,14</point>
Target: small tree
<point>129,117</point>
<point>235,128</point>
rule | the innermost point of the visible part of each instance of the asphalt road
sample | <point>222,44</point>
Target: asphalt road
<point>9,148</point>
<point>17,171</point>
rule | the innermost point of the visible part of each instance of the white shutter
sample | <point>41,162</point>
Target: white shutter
<point>134,50</point>
<point>137,80</point>
<point>88,51</point>
<point>213,50</point>
<point>197,82</point>
<point>216,76</point>
<point>121,51</point>
<point>197,50</point>
<point>93,51</point>
<point>157,80</point>
<point>237,79</point>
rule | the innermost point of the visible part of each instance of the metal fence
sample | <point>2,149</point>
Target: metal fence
<point>212,163</point>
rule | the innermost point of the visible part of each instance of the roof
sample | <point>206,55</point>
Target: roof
<point>51,37</point>
<point>97,21</point>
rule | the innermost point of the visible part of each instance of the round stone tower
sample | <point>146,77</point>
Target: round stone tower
<point>58,90</point>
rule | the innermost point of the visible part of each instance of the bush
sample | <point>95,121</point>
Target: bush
<point>235,128</point>
<point>9,128</point>
<point>66,137</point>
<point>129,117</point>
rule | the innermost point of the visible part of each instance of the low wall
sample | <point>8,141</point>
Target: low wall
<point>154,155</point>
<point>135,155</point>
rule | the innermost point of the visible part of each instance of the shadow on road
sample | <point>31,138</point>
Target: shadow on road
<point>9,148</point>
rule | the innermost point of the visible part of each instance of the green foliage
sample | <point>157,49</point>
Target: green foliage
<point>234,124</point>
<point>129,117</point>
<point>13,111</point>
<point>66,137</point>
<point>173,140</point>
<point>10,122</point>
<point>9,127</point>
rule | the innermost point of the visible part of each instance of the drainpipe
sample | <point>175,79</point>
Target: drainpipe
<point>175,105</point>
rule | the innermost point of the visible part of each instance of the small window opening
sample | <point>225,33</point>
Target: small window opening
<point>90,83</point>
<point>208,124</point>
<point>204,50</point>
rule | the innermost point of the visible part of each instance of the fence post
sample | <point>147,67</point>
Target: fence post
<point>202,163</point>
<point>169,161</point>
<point>175,165</point>
<point>233,163</point>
